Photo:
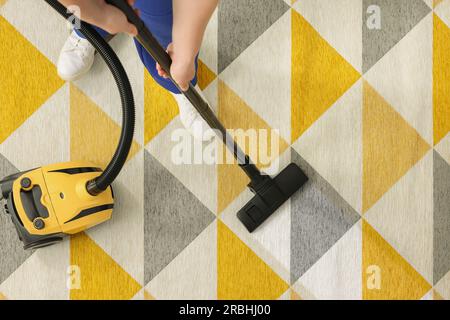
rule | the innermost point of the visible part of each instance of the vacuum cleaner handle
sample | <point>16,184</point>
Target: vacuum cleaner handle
<point>159,54</point>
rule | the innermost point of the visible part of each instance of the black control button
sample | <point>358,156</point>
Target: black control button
<point>39,224</point>
<point>25,183</point>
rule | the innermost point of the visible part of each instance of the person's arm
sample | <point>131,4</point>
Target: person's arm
<point>103,15</point>
<point>191,18</point>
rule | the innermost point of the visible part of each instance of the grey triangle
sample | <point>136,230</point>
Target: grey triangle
<point>241,22</point>
<point>398,17</point>
<point>174,217</point>
<point>441,218</point>
<point>12,254</point>
<point>319,218</point>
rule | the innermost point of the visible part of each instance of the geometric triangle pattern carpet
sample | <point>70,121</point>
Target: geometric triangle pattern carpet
<point>356,93</point>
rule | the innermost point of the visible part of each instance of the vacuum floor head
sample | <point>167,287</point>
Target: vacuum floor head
<point>270,195</point>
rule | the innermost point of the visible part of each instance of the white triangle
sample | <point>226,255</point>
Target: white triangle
<point>443,287</point>
<point>443,11</point>
<point>405,214</point>
<point>100,87</point>
<point>333,146</point>
<point>261,76</point>
<point>404,77</point>
<point>43,138</point>
<point>428,296</point>
<point>49,36</point>
<point>192,176</point>
<point>444,148</point>
<point>125,231</point>
<point>289,2</point>
<point>139,296</point>
<point>208,51</point>
<point>272,240</point>
<point>339,23</point>
<point>211,95</point>
<point>337,274</point>
<point>43,276</point>
<point>429,3</point>
<point>192,275</point>
<point>286,295</point>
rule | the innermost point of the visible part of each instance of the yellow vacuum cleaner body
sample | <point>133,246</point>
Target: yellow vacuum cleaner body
<point>48,203</point>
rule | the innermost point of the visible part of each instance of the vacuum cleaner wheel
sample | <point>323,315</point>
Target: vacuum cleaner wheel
<point>42,243</point>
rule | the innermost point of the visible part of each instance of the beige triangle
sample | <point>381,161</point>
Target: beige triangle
<point>390,147</point>
<point>333,146</point>
<point>407,83</point>
<point>47,146</point>
<point>55,275</point>
<point>94,136</point>
<point>443,286</point>
<point>125,228</point>
<point>236,114</point>
<point>326,279</point>
<point>190,276</point>
<point>405,214</point>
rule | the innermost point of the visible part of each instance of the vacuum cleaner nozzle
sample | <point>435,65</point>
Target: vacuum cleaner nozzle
<point>270,195</point>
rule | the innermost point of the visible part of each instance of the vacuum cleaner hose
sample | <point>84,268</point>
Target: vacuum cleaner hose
<point>117,162</point>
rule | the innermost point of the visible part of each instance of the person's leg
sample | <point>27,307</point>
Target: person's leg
<point>158,17</point>
<point>77,55</point>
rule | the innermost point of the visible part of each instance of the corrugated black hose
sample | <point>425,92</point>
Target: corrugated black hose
<point>111,172</point>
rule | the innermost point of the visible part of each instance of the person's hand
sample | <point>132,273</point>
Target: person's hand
<point>115,20</point>
<point>182,69</point>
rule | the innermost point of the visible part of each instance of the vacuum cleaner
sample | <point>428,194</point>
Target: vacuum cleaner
<point>45,204</point>
<point>48,203</point>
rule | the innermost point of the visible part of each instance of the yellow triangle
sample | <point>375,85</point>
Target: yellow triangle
<point>236,114</point>
<point>148,296</point>
<point>386,275</point>
<point>295,295</point>
<point>437,296</point>
<point>441,82</point>
<point>2,297</point>
<point>242,275</point>
<point>2,2</point>
<point>101,277</point>
<point>390,147</point>
<point>93,134</point>
<point>160,108</point>
<point>28,79</point>
<point>205,75</point>
<point>320,75</point>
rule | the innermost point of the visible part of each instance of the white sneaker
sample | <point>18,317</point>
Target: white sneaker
<point>76,58</point>
<point>192,120</point>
